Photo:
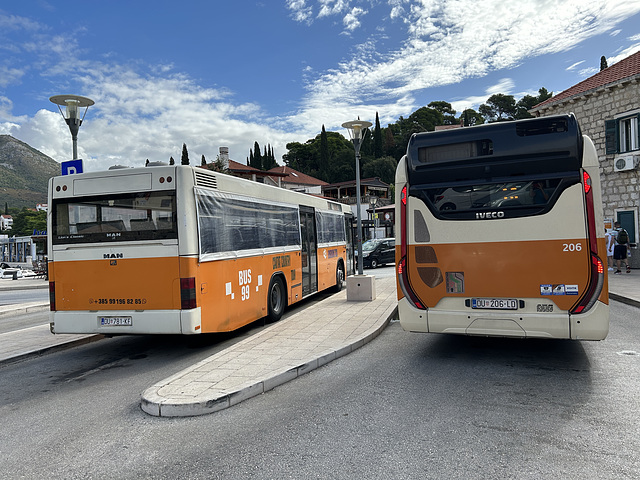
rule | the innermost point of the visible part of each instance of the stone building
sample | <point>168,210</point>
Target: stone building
<point>607,106</point>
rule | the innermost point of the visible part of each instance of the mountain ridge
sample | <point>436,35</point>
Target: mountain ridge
<point>24,173</point>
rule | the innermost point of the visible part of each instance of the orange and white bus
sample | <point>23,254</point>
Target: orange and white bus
<point>184,250</point>
<point>501,232</point>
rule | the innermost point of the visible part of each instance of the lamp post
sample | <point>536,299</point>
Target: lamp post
<point>356,128</point>
<point>372,203</point>
<point>72,117</point>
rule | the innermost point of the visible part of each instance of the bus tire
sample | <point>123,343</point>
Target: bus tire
<point>276,299</point>
<point>340,278</point>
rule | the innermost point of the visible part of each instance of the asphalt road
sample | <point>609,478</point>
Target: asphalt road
<point>13,297</point>
<point>403,406</point>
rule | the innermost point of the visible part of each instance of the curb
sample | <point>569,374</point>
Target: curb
<point>154,404</point>
<point>623,299</point>
<point>23,308</point>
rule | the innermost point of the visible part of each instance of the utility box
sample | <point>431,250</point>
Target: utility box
<point>361,288</point>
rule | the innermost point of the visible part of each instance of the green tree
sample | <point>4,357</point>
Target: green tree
<point>499,107</point>
<point>384,168</point>
<point>603,63</point>
<point>25,222</point>
<point>389,142</point>
<point>377,139</point>
<point>184,160</point>
<point>527,102</point>
<point>255,160</point>
<point>447,111</point>
<point>203,162</point>
<point>171,161</point>
<point>324,156</point>
<point>470,118</point>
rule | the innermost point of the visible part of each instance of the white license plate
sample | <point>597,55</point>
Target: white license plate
<point>495,303</point>
<point>116,321</point>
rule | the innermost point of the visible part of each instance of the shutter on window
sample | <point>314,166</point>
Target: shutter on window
<point>611,136</point>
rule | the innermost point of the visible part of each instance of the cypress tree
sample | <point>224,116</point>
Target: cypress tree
<point>203,162</point>
<point>324,155</point>
<point>377,139</point>
<point>184,160</point>
<point>172,161</point>
<point>603,63</point>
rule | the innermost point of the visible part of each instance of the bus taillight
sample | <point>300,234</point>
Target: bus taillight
<point>403,281</point>
<point>52,296</point>
<point>595,286</point>
<point>187,293</point>
<point>591,217</point>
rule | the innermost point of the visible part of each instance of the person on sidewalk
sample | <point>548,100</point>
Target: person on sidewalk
<point>620,248</point>
<point>609,240</point>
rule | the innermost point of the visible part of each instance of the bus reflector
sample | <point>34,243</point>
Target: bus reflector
<point>52,296</point>
<point>587,182</point>
<point>188,293</point>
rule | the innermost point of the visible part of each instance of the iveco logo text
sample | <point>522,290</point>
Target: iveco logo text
<point>487,215</point>
<point>112,255</point>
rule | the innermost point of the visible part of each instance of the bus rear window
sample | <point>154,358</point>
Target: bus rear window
<point>123,217</point>
<point>494,195</point>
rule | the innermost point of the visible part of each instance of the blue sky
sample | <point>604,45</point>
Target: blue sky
<point>214,73</point>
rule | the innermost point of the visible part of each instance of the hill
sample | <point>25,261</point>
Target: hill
<point>24,173</point>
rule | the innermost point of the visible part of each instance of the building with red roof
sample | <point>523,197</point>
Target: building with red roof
<point>607,106</point>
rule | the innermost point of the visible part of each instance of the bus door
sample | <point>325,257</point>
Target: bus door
<point>309,251</point>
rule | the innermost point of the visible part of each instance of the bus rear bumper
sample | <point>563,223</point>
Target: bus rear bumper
<point>141,322</point>
<point>590,325</point>
<point>586,326</point>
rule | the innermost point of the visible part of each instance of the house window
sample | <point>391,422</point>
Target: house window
<point>622,135</point>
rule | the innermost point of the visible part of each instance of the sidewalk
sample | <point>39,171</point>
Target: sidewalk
<point>287,349</point>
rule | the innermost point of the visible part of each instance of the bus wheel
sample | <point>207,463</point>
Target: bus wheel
<point>339,278</point>
<point>276,300</point>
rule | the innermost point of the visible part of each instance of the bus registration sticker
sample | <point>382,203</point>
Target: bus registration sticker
<point>495,303</point>
<point>116,321</point>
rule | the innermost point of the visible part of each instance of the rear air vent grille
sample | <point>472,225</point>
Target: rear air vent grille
<point>206,180</point>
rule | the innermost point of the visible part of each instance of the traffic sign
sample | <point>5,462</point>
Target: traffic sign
<point>71,167</point>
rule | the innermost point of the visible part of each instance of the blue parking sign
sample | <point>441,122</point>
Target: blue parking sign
<point>72,166</point>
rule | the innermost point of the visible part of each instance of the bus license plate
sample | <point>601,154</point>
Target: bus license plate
<point>495,303</point>
<point>116,321</point>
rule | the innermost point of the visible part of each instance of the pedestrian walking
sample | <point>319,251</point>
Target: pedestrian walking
<point>620,247</point>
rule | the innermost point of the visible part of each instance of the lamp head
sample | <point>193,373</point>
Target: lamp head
<point>355,128</point>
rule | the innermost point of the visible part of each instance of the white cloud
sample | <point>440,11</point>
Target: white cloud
<point>573,67</point>
<point>332,7</point>
<point>351,20</point>
<point>301,12</point>
<point>448,42</point>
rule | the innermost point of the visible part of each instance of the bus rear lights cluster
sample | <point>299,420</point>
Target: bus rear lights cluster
<point>63,188</point>
<point>188,293</point>
<point>169,179</point>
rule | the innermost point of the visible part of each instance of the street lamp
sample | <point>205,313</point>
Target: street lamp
<point>356,128</point>
<point>372,203</point>
<point>72,118</point>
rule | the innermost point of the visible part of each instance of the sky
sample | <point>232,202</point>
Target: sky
<point>231,73</point>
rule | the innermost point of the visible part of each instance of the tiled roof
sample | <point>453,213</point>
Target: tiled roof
<point>625,68</point>
<point>375,181</point>
<point>239,167</point>
<point>293,176</point>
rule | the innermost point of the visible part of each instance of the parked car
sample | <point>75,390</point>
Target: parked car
<point>378,251</point>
